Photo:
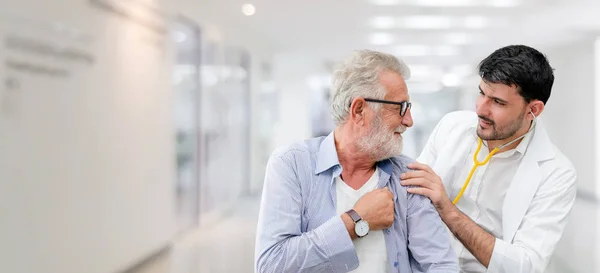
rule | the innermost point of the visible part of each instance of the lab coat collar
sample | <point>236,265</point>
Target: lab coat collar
<point>525,182</point>
<point>540,146</point>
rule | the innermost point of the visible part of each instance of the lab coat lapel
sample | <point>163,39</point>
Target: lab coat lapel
<point>525,182</point>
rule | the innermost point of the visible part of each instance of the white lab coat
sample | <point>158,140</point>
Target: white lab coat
<point>537,203</point>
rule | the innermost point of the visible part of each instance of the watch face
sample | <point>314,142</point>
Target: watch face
<point>361,228</point>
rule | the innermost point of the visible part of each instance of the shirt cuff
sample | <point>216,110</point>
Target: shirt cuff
<point>338,245</point>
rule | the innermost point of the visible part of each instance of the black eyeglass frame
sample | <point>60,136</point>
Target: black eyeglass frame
<point>404,105</point>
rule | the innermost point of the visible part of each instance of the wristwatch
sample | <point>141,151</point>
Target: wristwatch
<point>361,227</point>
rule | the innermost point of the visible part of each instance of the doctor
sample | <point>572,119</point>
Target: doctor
<point>499,184</point>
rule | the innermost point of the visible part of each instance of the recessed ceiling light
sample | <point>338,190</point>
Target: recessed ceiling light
<point>381,39</point>
<point>426,22</point>
<point>450,80</point>
<point>446,50</point>
<point>445,3</point>
<point>426,50</point>
<point>476,22</point>
<point>248,9</point>
<point>385,2</point>
<point>413,50</point>
<point>504,3</point>
<point>458,38</point>
<point>383,22</point>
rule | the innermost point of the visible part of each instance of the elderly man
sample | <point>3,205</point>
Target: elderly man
<point>335,204</point>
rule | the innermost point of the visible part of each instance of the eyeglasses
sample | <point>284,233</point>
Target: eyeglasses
<point>404,105</point>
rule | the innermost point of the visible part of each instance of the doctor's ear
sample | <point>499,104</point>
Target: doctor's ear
<point>536,108</point>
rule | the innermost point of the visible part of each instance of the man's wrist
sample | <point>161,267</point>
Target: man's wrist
<point>349,223</point>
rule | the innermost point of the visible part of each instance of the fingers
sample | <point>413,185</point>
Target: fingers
<point>420,166</point>
<point>420,182</point>
<point>389,194</point>
<point>414,174</point>
<point>386,190</point>
<point>420,191</point>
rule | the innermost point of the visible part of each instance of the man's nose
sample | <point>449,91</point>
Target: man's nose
<point>407,119</point>
<point>482,107</point>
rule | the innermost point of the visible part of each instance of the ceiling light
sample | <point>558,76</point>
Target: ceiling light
<point>476,22</point>
<point>381,39</point>
<point>450,80</point>
<point>504,3</point>
<point>385,2</point>
<point>426,50</point>
<point>459,38</point>
<point>444,3</point>
<point>248,9</point>
<point>383,22</point>
<point>426,22</point>
<point>446,50</point>
<point>413,50</point>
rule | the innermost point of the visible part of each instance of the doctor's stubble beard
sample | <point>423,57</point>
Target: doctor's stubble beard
<point>504,132</point>
<point>380,142</point>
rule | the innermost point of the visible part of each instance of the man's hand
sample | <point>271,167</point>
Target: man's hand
<point>377,208</point>
<point>428,184</point>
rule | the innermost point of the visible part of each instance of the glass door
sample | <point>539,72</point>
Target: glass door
<point>186,80</point>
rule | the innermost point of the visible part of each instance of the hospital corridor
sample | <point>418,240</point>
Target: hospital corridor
<point>142,136</point>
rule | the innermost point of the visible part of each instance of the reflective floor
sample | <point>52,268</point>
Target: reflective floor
<point>225,247</point>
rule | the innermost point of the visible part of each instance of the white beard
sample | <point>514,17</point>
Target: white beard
<point>381,143</point>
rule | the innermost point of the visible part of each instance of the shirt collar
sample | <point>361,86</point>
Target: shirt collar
<point>327,157</point>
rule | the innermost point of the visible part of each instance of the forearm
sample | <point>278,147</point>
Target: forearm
<point>326,248</point>
<point>478,241</point>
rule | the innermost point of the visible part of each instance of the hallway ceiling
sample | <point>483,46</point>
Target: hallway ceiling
<point>432,34</point>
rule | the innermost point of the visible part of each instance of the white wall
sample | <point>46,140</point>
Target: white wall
<point>573,101</point>
<point>86,161</point>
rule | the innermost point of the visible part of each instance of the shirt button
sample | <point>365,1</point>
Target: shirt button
<point>395,264</point>
<point>387,231</point>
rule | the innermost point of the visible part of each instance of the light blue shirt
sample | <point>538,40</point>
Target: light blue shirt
<point>300,231</point>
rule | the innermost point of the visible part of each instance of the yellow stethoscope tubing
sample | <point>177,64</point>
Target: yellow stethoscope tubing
<point>487,158</point>
<point>476,164</point>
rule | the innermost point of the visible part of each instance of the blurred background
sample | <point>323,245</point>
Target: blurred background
<point>134,133</point>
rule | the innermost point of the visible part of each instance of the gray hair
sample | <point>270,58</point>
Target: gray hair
<point>358,76</point>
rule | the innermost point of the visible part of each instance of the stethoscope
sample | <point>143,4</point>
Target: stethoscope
<point>477,163</point>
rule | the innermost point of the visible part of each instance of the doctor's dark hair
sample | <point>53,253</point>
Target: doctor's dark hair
<point>522,66</point>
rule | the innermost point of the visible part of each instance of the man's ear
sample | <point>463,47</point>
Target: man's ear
<point>357,111</point>
<point>536,107</point>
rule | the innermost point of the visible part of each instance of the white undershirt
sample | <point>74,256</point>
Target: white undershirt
<point>371,249</point>
<point>484,196</point>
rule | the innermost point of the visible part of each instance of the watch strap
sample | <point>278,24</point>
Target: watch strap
<point>355,217</point>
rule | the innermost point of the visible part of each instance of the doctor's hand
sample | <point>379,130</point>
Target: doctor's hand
<point>426,182</point>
